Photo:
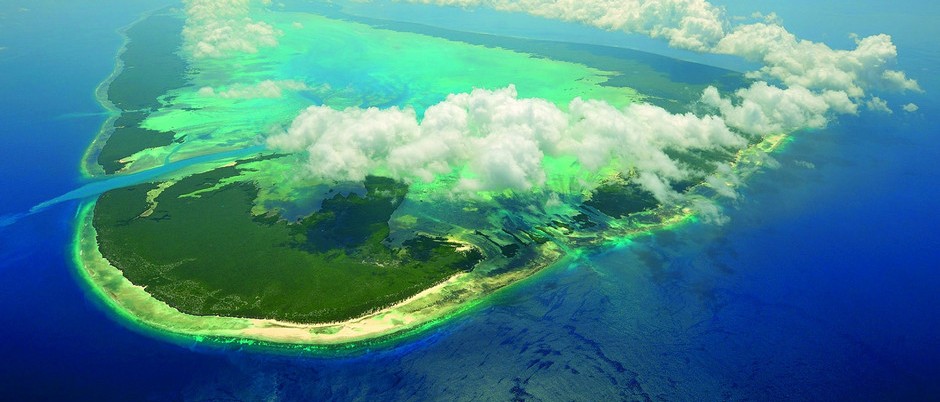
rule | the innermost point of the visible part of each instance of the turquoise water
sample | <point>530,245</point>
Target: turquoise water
<point>100,186</point>
<point>821,287</point>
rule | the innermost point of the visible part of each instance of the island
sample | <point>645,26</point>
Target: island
<point>255,246</point>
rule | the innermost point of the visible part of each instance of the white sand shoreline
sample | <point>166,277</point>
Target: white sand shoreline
<point>423,310</point>
<point>431,305</point>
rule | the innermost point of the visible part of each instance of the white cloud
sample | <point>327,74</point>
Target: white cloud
<point>499,142</point>
<point>724,181</point>
<point>638,137</point>
<point>347,144</point>
<point>686,24</point>
<point>911,108</point>
<point>217,28</point>
<point>899,80</point>
<point>264,89</point>
<point>495,141</point>
<point>698,25</point>
<point>707,210</point>
<point>877,104</point>
<point>805,164</point>
<point>763,109</point>
<point>814,65</point>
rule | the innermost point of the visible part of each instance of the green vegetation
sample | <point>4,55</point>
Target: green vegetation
<point>151,63</point>
<point>127,139</point>
<point>200,250</point>
<point>618,200</point>
<point>151,68</point>
<point>247,240</point>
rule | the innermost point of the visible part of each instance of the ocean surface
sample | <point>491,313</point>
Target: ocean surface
<point>824,284</point>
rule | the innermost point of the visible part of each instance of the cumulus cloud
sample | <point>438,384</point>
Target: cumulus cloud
<point>764,109</point>
<point>686,24</point>
<point>496,141</point>
<point>898,80</point>
<point>814,65</point>
<point>707,210</point>
<point>264,89</point>
<point>724,181</point>
<point>217,28</point>
<point>877,104</point>
<point>698,25</point>
<point>911,108</point>
<point>637,139</point>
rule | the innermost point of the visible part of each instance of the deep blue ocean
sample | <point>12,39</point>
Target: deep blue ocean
<point>824,285</point>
